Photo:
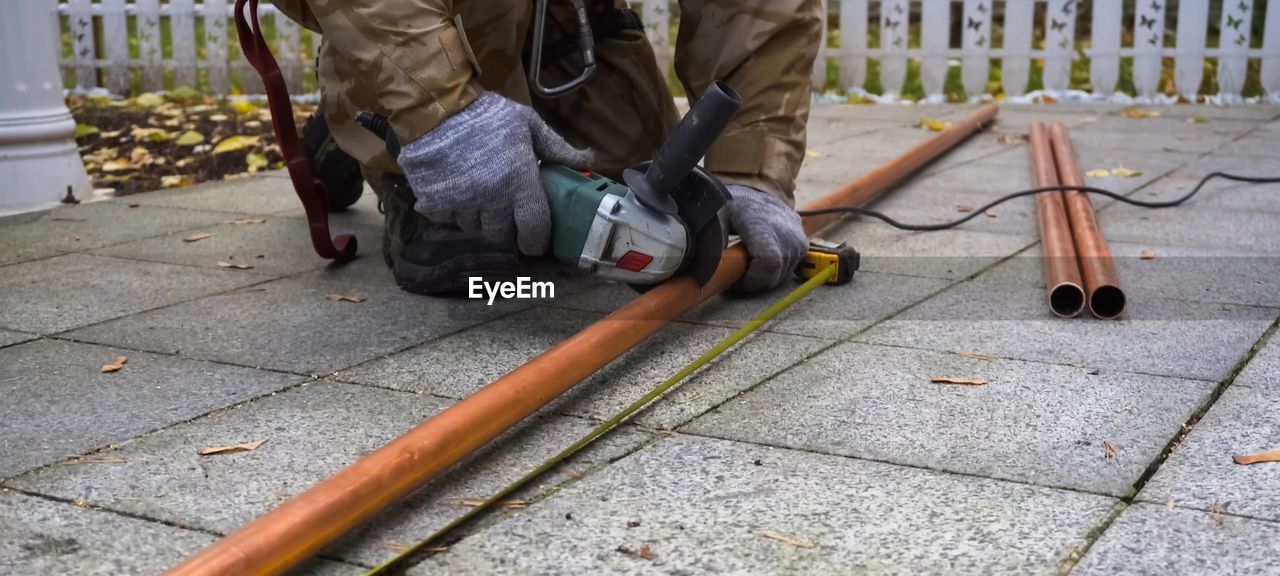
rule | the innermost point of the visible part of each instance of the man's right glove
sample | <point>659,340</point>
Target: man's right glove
<point>478,170</point>
<point>773,234</point>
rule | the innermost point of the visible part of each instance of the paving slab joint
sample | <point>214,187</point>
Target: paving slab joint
<point>496,514</point>
<point>1077,553</point>
<point>1129,498</point>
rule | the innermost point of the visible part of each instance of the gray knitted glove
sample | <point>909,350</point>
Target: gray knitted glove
<point>478,170</point>
<point>773,235</point>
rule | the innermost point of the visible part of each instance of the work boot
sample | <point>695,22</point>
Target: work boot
<point>339,172</point>
<point>430,258</point>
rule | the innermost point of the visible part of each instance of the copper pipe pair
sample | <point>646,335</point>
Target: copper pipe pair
<point>1070,236</point>
<point>297,529</point>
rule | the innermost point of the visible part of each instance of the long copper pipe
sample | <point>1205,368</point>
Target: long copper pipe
<point>297,529</point>
<point>1061,266</point>
<point>1106,299</point>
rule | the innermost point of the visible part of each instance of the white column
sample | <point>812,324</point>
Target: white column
<point>38,156</point>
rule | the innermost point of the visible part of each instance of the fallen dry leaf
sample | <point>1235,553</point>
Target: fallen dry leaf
<point>647,554</point>
<point>990,214</point>
<point>1216,510</point>
<point>1109,451</point>
<point>234,266</point>
<point>394,546</point>
<point>232,449</point>
<point>813,153</point>
<point>116,365</point>
<point>1136,113</point>
<point>1125,172</point>
<point>962,381</point>
<point>976,355</point>
<point>248,221</point>
<point>1147,255</point>
<point>934,125</point>
<point>1272,456</point>
<point>1098,173</point>
<point>1005,138</point>
<point>570,473</point>
<point>197,237</point>
<point>963,208</point>
<point>341,298</point>
<point>783,539</point>
<point>1197,120</point>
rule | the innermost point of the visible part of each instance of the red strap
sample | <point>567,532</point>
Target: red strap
<point>310,190</point>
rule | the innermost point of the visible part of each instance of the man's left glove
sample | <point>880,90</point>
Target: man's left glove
<point>773,235</point>
<point>478,170</point>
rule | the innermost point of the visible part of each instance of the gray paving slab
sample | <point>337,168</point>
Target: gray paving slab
<point>949,254</point>
<point>1264,145</point>
<point>290,324</point>
<point>1201,472</point>
<point>938,200</point>
<point>363,213</point>
<point>1214,275</point>
<point>1257,114</point>
<point>73,290</point>
<point>1154,540</point>
<point>698,504</point>
<point>1174,338</point>
<point>1217,195</point>
<point>1178,135</point>
<point>1245,230</point>
<point>831,312</point>
<point>278,246</point>
<point>39,536</point>
<point>88,226</point>
<point>1038,423</point>
<point>1151,161</point>
<point>252,195</point>
<point>461,364</point>
<point>59,403</point>
<point>1263,370</point>
<point>9,337</point>
<point>311,432</point>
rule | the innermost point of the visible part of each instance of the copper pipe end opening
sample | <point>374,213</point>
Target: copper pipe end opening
<point>1067,300</point>
<point>1107,302</point>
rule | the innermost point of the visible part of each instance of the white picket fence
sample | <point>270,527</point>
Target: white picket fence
<point>100,40</point>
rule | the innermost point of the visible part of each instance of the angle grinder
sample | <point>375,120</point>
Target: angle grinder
<point>666,217</point>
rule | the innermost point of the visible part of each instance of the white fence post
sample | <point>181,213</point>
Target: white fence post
<point>1233,59</point>
<point>1271,53</point>
<point>656,15</point>
<point>1060,31</point>
<point>1148,44</point>
<point>1188,66</point>
<point>1015,67</point>
<point>853,44</point>
<point>895,19</point>
<point>115,42</point>
<point>83,51</point>
<point>148,27</point>
<point>182,31</point>
<point>820,63</point>
<point>935,39</point>
<point>977,47</point>
<point>288,51</point>
<point>215,45</point>
<point>1104,60</point>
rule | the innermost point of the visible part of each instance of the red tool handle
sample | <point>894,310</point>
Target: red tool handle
<point>310,190</point>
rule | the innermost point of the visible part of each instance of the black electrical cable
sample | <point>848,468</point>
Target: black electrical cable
<point>1003,199</point>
